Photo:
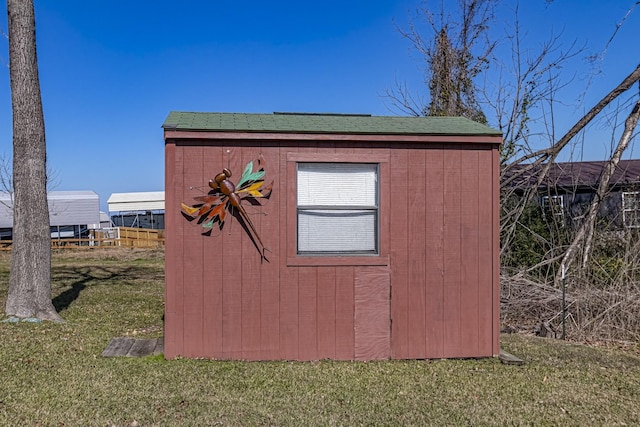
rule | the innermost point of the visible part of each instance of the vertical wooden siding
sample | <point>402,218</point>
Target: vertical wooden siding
<point>399,253</point>
<point>434,251</point>
<point>223,303</point>
<point>289,310</point>
<point>443,275</point>
<point>372,313</point>
<point>173,325</point>
<point>269,284</point>
<point>193,290</point>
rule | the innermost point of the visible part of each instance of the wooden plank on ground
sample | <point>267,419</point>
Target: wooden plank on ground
<point>118,347</point>
<point>510,359</point>
<point>159,347</point>
<point>142,347</point>
<point>132,347</point>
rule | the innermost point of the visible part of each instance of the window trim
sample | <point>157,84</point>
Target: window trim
<point>374,208</point>
<point>550,202</point>
<point>636,195</point>
<point>546,198</point>
<point>295,259</point>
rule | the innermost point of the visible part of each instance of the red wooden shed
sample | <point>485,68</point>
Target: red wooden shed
<point>382,237</point>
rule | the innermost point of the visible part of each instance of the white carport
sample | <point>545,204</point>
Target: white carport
<point>140,209</point>
<point>136,202</point>
<point>71,213</point>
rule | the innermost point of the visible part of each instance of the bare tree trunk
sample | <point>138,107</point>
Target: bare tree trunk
<point>30,277</point>
<point>585,232</point>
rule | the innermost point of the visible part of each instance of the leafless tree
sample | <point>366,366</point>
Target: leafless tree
<point>455,55</point>
<point>584,234</point>
<point>602,296</point>
<point>6,178</point>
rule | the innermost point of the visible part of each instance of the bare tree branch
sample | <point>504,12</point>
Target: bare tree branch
<point>585,232</point>
<point>452,61</point>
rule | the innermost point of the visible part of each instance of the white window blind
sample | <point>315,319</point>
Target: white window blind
<point>337,208</point>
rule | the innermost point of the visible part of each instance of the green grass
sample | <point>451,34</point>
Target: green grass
<point>54,375</point>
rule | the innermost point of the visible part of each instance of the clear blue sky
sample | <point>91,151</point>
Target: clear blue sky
<point>112,70</point>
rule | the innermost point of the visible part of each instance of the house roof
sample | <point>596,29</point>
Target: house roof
<point>325,123</point>
<point>580,174</point>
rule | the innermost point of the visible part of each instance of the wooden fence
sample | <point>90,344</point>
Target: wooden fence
<point>107,238</point>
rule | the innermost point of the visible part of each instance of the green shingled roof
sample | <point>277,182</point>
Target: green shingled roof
<point>325,123</point>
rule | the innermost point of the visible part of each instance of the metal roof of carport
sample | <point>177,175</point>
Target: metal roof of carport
<point>65,208</point>
<point>138,201</point>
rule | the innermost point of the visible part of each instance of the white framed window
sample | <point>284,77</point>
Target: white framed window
<point>631,209</point>
<point>553,204</point>
<point>337,208</point>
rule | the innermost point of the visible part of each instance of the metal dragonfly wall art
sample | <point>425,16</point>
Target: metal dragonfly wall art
<point>226,198</point>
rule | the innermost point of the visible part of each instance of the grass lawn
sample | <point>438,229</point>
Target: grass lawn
<point>54,375</point>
